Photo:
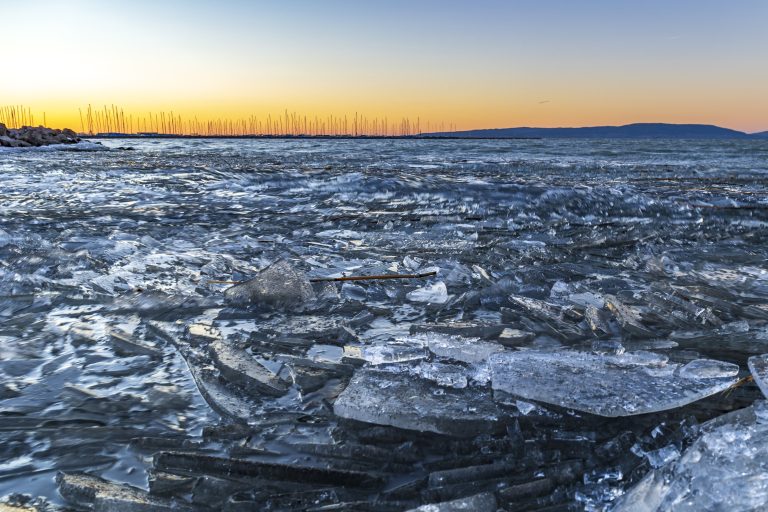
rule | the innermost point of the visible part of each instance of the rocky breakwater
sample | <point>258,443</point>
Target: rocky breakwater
<point>28,136</point>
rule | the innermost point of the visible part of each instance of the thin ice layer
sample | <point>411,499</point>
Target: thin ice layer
<point>622,385</point>
<point>408,402</point>
<point>725,469</point>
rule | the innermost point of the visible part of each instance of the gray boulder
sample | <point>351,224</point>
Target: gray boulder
<point>8,142</point>
<point>39,136</point>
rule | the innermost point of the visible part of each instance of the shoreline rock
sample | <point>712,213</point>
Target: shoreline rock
<point>29,136</point>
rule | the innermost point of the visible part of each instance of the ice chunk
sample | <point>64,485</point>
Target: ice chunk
<point>708,369</point>
<point>237,366</point>
<point>596,322</point>
<point>628,319</point>
<point>5,238</point>
<point>758,365</point>
<point>278,285</point>
<point>203,332</point>
<point>383,354</point>
<point>97,494</point>
<point>408,402</point>
<point>662,456</point>
<point>608,347</point>
<point>485,502</point>
<point>551,315</point>
<point>510,337</point>
<point>446,375</point>
<point>469,329</point>
<point>622,359</point>
<point>724,469</point>
<point>738,327</point>
<point>435,293</point>
<point>622,385</point>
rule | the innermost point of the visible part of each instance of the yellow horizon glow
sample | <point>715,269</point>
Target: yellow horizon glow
<point>544,114</point>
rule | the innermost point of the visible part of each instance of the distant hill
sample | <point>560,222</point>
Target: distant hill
<point>760,135</point>
<point>629,131</point>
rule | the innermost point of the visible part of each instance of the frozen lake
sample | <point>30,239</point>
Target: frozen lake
<point>594,303</point>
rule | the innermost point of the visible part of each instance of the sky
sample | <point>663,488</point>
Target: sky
<point>473,63</point>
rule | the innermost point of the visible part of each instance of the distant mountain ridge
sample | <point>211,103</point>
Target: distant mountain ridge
<point>628,131</point>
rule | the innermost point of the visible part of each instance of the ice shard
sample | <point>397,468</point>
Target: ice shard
<point>408,402</point>
<point>237,366</point>
<point>628,319</point>
<point>618,385</point>
<point>758,365</point>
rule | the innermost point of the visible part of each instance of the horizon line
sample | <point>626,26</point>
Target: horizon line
<point>114,119</point>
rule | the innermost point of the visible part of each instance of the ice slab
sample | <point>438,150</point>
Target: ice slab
<point>618,385</point>
<point>278,285</point>
<point>758,365</point>
<point>237,366</point>
<point>484,502</point>
<point>404,401</point>
<point>724,469</point>
<point>97,494</point>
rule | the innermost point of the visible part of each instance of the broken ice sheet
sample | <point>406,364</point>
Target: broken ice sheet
<point>625,385</point>
<point>724,469</point>
<point>404,401</point>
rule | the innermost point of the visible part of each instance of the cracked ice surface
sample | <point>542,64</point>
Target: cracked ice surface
<point>726,468</point>
<point>120,358</point>
<point>624,385</point>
